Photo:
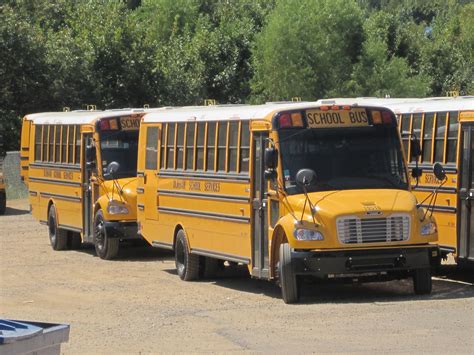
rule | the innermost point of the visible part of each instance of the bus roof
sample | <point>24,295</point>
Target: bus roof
<point>410,105</point>
<point>82,116</point>
<point>224,112</point>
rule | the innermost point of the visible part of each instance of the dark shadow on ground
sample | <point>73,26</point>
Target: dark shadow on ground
<point>10,211</point>
<point>132,253</point>
<point>237,278</point>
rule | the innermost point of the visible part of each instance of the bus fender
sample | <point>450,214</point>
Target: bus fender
<point>179,226</point>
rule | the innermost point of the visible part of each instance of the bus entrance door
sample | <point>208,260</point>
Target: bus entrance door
<point>87,186</point>
<point>466,196</point>
<point>260,268</point>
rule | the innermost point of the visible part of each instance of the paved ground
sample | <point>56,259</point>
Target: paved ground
<point>137,304</point>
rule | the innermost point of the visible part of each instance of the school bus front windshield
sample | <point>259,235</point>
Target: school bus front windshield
<point>120,147</point>
<point>344,158</point>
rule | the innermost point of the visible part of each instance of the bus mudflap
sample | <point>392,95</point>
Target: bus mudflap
<point>353,262</point>
<point>121,230</point>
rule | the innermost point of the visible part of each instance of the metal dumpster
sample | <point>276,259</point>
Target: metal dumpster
<point>25,337</point>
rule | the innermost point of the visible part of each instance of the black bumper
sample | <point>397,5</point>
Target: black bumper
<point>353,262</point>
<point>121,230</point>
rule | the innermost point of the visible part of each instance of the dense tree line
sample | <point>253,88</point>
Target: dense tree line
<point>128,53</point>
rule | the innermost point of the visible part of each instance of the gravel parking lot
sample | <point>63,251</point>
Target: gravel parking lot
<point>137,304</point>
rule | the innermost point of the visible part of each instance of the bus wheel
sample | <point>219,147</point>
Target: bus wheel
<point>3,202</point>
<point>187,264</point>
<point>105,248</point>
<point>57,237</point>
<point>288,279</point>
<point>422,281</point>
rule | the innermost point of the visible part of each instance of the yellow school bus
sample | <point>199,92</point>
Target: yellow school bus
<point>443,126</point>
<point>292,190</point>
<point>80,168</point>
<point>3,194</point>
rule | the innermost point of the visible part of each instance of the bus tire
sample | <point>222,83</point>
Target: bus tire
<point>187,264</point>
<point>3,202</point>
<point>105,248</point>
<point>57,236</point>
<point>288,280</point>
<point>422,283</point>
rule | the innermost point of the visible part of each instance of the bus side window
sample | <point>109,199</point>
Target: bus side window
<point>63,143</point>
<point>190,133</point>
<point>51,143</point>
<point>211,146</point>
<point>170,146</point>
<point>38,140</point>
<point>77,148</point>
<point>222,146</point>
<point>427,137</point>
<point>416,128</point>
<point>201,131</point>
<point>164,129</point>
<point>452,143</point>
<point>57,143</point>
<point>70,149</point>
<point>179,145</point>
<point>439,136</point>
<point>405,132</point>
<point>151,155</point>
<point>244,147</point>
<point>233,141</point>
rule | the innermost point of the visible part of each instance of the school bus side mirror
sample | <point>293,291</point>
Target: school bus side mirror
<point>439,172</point>
<point>415,148</point>
<point>416,172</point>
<point>271,158</point>
<point>306,177</point>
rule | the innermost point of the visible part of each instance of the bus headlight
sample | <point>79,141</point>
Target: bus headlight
<point>116,207</point>
<point>428,228</point>
<point>307,234</point>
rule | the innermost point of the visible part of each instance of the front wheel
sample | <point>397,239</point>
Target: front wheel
<point>288,280</point>
<point>105,248</point>
<point>57,236</point>
<point>187,264</point>
<point>422,283</point>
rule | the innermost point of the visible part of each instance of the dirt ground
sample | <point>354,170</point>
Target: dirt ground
<point>137,304</point>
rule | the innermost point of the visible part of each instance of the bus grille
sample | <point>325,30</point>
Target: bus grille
<point>354,230</point>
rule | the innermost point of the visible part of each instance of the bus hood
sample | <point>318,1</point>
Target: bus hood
<point>124,190</point>
<point>363,203</point>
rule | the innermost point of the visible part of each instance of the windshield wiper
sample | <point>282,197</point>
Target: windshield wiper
<point>385,178</point>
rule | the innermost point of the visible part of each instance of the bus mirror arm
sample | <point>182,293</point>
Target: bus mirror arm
<point>440,174</point>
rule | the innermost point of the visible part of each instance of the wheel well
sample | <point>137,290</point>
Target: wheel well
<point>279,237</point>
<point>176,230</point>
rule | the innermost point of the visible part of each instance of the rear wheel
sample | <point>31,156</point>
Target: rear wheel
<point>422,284</point>
<point>289,282</point>
<point>187,264</point>
<point>57,236</point>
<point>106,248</point>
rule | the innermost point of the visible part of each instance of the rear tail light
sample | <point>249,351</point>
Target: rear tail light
<point>376,117</point>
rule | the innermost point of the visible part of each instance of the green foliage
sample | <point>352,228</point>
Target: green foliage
<point>126,53</point>
<point>307,49</point>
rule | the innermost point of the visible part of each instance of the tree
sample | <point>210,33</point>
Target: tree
<point>307,49</point>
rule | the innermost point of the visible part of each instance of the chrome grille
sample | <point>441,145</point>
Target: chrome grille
<point>354,230</point>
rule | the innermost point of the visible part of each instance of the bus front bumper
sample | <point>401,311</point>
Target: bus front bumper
<point>360,262</point>
<point>121,230</point>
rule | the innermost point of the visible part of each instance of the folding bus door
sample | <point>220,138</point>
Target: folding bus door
<point>466,195</point>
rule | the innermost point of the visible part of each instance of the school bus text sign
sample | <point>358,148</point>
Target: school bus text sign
<point>335,119</point>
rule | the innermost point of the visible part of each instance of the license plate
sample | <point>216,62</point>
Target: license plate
<point>337,118</point>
